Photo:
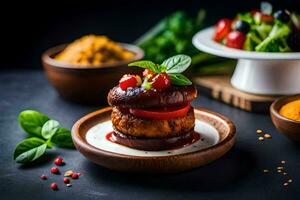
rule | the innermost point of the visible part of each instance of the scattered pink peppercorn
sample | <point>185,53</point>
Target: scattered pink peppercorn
<point>75,176</point>
<point>66,180</point>
<point>44,177</point>
<point>59,161</point>
<point>54,170</point>
<point>54,186</point>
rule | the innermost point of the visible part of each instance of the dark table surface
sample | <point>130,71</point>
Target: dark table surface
<point>237,175</point>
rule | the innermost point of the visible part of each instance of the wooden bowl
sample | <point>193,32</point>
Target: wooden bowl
<point>289,127</point>
<point>86,84</point>
<point>93,129</point>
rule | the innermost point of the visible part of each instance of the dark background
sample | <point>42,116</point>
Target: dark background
<point>29,28</point>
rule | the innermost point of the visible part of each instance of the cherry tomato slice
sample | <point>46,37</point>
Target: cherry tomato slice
<point>235,39</point>
<point>160,114</point>
<point>128,81</point>
<point>161,81</point>
<point>223,27</point>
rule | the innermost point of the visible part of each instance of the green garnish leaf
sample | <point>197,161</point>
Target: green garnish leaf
<point>63,138</point>
<point>146,84</point>
<point>173,66</point>
<point>49,128</point>
<point>179,79</point>
<point>177,64</point>
<point>29,150</point>
<point>32,122</point>
<point>40,127</point>
<point>146,64</point>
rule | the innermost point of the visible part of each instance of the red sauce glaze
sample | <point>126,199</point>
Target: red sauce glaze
<point>109,137</point>
<point>153,144</point>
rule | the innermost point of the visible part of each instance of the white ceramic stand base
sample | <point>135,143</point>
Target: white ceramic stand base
<point>268,77</point>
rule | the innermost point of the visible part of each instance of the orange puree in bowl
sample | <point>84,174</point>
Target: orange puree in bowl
<point>291,110</point>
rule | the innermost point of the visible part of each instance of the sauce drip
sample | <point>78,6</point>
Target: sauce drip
<point>176,143</point>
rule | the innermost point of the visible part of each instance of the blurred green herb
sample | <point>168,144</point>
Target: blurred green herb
<point>45,131</point>
<point>173,35</point>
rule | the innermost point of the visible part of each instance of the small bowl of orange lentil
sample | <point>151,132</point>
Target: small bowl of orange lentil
<point>84,70</point>
<point>285,114</point>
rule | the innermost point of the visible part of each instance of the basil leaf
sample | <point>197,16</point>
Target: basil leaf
<point>177,64</point>
<point>49,128</point>
<point>32,122</point>
<point>29,150</point>
<point>146,65</point>
<point>179,79</point>
<point>63,138</point>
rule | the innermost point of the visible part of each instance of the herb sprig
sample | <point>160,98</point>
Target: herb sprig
<point>43,133</point>
<point>173,66</point>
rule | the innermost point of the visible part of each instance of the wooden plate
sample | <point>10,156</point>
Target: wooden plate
<point>217,135</point>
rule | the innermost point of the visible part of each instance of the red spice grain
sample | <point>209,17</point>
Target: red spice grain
<point>66,180</point>
<point>54,186</point>
<point>75,176</point>
<point>59,161</point>
<point>44,177</point>
<point>54,170</point>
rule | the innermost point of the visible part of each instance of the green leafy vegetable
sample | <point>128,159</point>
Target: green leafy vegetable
<point>49,128</point>
<point>177,64</point>
<point>173,35</point>
<point>29,150</point>
<point>32,122</point>
<point>276,40</point>
<point>63,138</point>
<point>179,79</point>
<point>146,64</point>
<point>262,30</point>
<point>46,131</point>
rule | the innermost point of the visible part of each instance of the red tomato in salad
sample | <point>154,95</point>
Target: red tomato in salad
<point>235,39</point>
<point>161,114</point>
<point>223,27</point>
<point>264,17</point>
<point>129,81</point>
<point>267,18</point>
<point>161,81</point>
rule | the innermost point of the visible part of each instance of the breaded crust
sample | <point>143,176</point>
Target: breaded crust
<point>140,98</point>
<point>129,124</point>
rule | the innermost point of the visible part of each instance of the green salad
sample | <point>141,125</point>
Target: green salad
<point>261,30</point>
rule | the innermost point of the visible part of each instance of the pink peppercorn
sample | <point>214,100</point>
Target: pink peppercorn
<point>54,186</point>
<point>59,161</point>
<point>54,170</point>
<point>66,180</point>
<point>74,176</point>
<point>44,177</point>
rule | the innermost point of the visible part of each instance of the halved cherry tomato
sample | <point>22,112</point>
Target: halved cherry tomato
<point>223,27</point>
<point>161,81</point>
<point>161,114</point>
<point>235,39</point>
<point>130,81</point>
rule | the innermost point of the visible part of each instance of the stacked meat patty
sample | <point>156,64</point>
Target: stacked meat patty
<point>152,120</point>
